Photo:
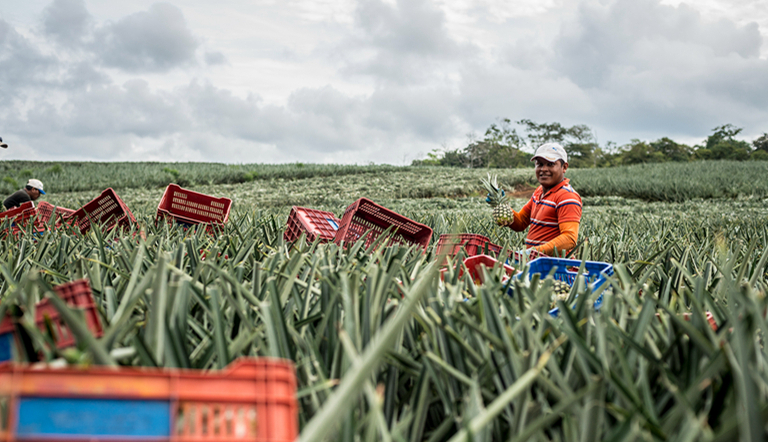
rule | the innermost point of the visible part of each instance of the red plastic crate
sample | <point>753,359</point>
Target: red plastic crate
<point>41,214</point>
<point>188,207</point>
<point>76,294</point>
<point>451,244</point>
<point>107,209</point>
<point>12,214</point>
<point>252,399</point>
<point>365,216</point>
<point>19,215</point>
<point>474,263</point>
<point>315,223</point>
<point>61,214</point>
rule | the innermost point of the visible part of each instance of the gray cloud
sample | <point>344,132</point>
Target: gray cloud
<point>131,109</point>
<point>661,69</point>
<point>22,64</point>
<point>643,35</point>
<point>627,69</point>
<point>214,58</point>
<point>402,43</point>
<point>156,40</point>
<point>67,21</point>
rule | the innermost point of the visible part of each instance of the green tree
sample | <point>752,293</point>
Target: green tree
<point>761,143</point>
<point>499,148</point>
<point>578,140</point>
<point>638,151</point>
<point>722,145</point>
<point>760,146</point>
<point>671,150</point>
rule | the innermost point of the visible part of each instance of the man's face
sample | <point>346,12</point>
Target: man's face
<point>550,173</point>
<point>34,194</point>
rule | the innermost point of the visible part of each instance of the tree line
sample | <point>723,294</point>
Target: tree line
<point>503,146</point>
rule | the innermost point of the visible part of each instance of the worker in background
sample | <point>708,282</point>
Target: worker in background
<point>30,192</point>
<point>554,211</point>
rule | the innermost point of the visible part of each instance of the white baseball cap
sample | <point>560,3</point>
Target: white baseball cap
<point>37,184</point>
<point>551,152</point>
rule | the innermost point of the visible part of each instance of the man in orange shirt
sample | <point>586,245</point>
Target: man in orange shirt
<point>554,211</point>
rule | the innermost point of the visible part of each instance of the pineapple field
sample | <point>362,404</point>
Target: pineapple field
<point>395,343</point>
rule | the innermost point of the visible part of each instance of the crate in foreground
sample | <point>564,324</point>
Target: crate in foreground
<point>366,217</point>
<point>314,223</point>
<point>187,207</point>
<point>106,209</point>
<point>77,294</point>
<point>252,399</point>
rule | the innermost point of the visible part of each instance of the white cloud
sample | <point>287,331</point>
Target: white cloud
<point>153,40</point>
<point>67,21</point>
<point>367,80</point>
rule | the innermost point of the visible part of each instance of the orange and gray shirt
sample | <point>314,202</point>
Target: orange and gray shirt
<point>553,218</point>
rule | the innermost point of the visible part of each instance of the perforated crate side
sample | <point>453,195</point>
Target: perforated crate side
<point>12,213</point>
<point>595,272</point>
<point>366,217</point>
<point>76,294</point>
<point>195,206</point>
<point>315,223</point>
<point>107,209</point>
<point>61,215</point>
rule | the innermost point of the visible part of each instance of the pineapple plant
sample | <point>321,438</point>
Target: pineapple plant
<point>503,214</point>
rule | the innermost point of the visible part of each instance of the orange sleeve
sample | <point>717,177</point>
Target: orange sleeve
<point>569,234</point>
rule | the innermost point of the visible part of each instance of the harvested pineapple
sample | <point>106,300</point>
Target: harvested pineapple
<point>560,291</point>
<point>497,198</point>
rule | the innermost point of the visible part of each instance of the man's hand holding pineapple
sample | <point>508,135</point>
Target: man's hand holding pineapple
<point>553,212</point>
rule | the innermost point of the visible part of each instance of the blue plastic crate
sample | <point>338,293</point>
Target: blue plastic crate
<point>595,273</point>
<point>6,342</point>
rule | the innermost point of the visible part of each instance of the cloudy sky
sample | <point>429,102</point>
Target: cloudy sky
<point>359,81</point>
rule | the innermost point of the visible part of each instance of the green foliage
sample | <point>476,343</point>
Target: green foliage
<point>761,143</point>
<point>759,155</point>
<point>13,183</point>
<point>92,176</point>
<point>55,169</point>
<point>503,147</point>
<point>676,181</point>
<point>672,151</point>
<point>172,172</point>
<point>722,145</point>
<point>386,350</point>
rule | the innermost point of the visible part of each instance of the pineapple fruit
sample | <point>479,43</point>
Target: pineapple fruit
<point>497,198</point>
<point>560,291</point>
